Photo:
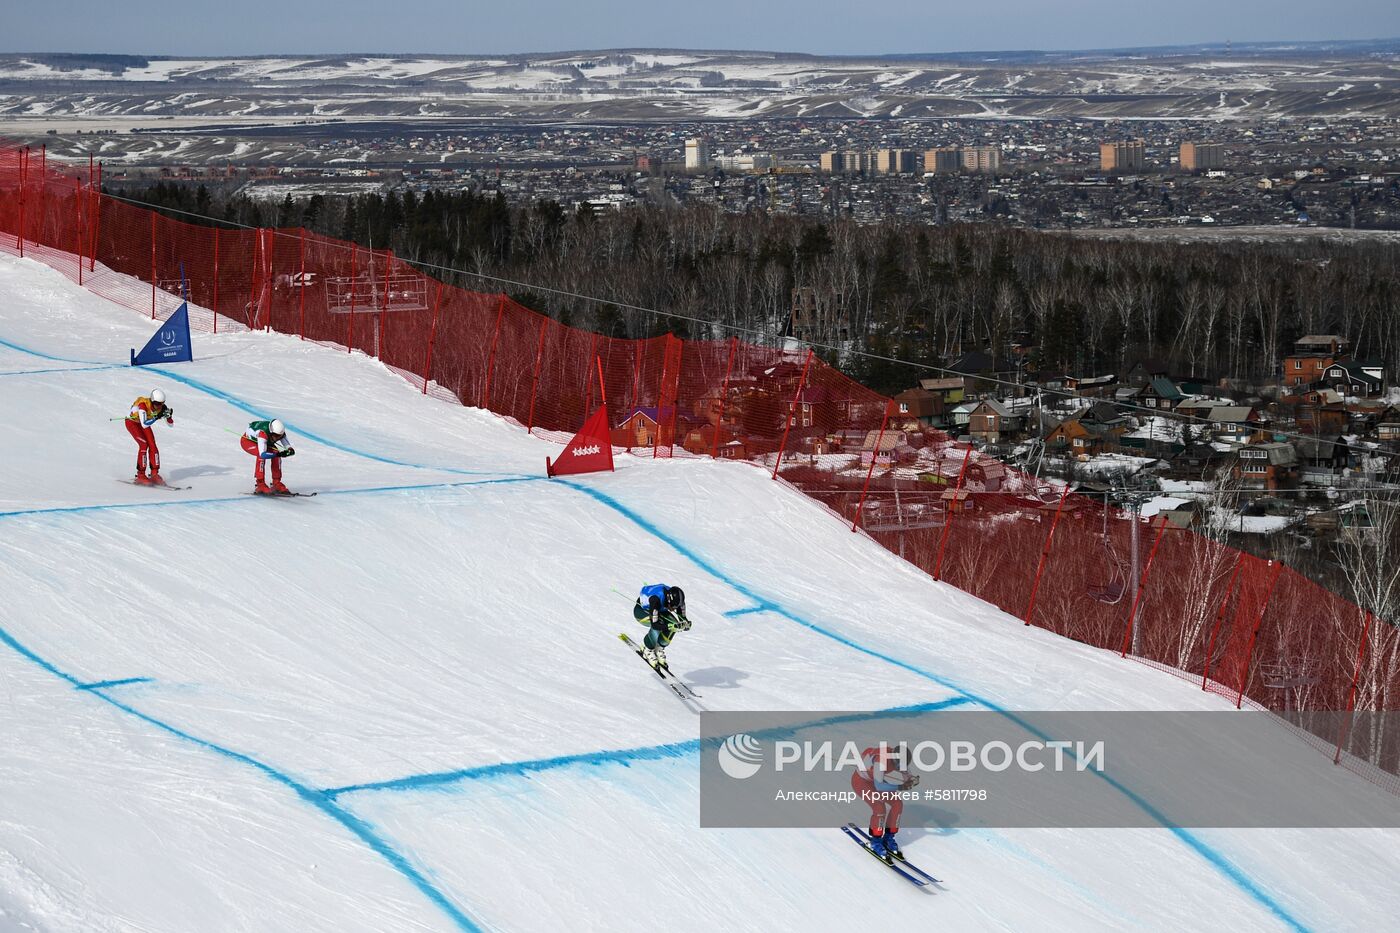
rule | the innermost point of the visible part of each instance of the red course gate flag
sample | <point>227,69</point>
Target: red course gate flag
<point>589,452</point>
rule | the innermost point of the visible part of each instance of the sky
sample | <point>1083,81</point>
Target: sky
<point>266,27</point>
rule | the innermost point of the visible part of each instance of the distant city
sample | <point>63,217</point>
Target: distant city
<point>1047,173</point>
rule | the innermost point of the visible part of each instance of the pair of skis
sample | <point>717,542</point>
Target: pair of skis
<point>154,485</point>
<point>898,864</point>
<point>679,687</point>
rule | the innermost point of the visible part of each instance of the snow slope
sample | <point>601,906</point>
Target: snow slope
<point>401,705</point>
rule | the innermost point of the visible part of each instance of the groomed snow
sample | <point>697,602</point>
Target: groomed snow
<point>354,712</point>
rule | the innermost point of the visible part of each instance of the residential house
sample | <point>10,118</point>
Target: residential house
<point>1351,377</point>
<point>951,389</point>
<point>1233,424</point>
<point>1310,358</point>
<point>1159,393</point>
<point>1092,386</point>
<point>638,429</point>
<point>1144,371</point>
<point>991,421</point>
<point>984,372</point>
<point>919,405</point>
<point>962,415</point>
<point>1267,465</point>
<point>883,447</point>
<point>986,473</point>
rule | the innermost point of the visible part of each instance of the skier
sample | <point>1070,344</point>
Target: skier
<point>663,608</point>
<point>145,412</point>
<point>883,771</point>
<point>267,440</point>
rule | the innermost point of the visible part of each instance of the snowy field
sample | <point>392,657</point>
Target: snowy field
<point>402,705</point>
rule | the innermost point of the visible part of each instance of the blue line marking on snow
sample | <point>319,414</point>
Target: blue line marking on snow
<point>104,684</point>
<point>47,356</point>
<point>747,610</point>
<point>239,499</point>
<point>1216,859</point>
<point>358,827</point>
<point>623,756</point>
<point>75,369</point>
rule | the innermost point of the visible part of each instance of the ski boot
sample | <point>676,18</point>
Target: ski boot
<point>155,479</point>
<point>659,658</point>
<point>141,479</point>
<point>877,845</point>
<point>892,846</point>
<point>279,489</point>
<point>261,489</point>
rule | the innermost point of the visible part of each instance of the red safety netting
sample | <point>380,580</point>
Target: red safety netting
<point>1250,630</point>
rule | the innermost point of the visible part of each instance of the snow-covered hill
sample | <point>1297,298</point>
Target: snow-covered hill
<point>636,84</point>
<point>401,705</point>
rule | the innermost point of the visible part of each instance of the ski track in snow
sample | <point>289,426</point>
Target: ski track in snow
<point>326,800</point>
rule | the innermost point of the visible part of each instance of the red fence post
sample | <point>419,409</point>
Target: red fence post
<point>383,307</point>
<point>153,265</point>
<point>432,337</point>
<point>354,281</point>
<point>1351,694</point>
<point>23,172</point>
<point>301,246</point>
<point>792,410</point>
<point>1045,553</point>
<point>534,382</point>
<point>269,258</point>
<point>948,514</point>
<point>78,228</point>
<point>1254,635</point>
<point>1142,586</point>
<point>874,455</point>
<point>216,280</point>
<point>723,396</point>
<point>491,362</point>
<point>96,213</point>
<point>670,374</point>
<point>588,390</point>
<point>1220,617</point>
<point>602,389</point>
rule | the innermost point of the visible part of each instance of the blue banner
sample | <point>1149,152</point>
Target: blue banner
<point>170,344</point>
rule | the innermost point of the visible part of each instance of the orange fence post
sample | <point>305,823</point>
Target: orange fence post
<point>535,381</point>
<point>792,410</point>
<point>666,395</point>
<point>432,338</point>
<point>491,363</point>
<point>1351,694</point>
<point>948,514</point>
<point>1254,635</point>
<point>602,389</point>
<point>723,397</point>
<point>874,455</point>
<point>1045,553</point>
<point>1142,585</point>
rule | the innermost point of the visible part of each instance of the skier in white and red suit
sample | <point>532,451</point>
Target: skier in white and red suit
<point>267,440</point>
<point>883,771</point>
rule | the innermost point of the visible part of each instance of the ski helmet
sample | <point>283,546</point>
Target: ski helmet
<point>277,427</point>
<point>675,598</point>
<point>158,396</point>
